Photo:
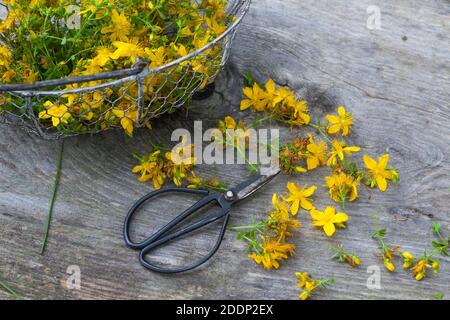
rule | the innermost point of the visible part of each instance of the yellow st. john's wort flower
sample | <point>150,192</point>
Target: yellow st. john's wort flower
<point>58,113</point>
<point>328,220</point>
<point>379,173</point>
<point>5,56</point>
<point>316,153</point>
<point>342,187</point>
<point>128,116</point>
<point>180,161</point>
<point>419,270</point>
<point>127,50</point>
<point>340,149</point>
<point>151,168</point>
<point>255,98</point>
<point>120,27</point>
<point>280,221</point>
<point>273,252</point>
<point>309,285</point>
<point>342,122</point>
<point>299,197</point>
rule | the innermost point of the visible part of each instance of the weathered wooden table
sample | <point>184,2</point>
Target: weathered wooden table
<point>395,80</point>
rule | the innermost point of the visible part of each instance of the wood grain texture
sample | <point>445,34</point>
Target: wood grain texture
<point>398,91</point>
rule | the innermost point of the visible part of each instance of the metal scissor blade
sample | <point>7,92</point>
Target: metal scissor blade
<point>256,182</point>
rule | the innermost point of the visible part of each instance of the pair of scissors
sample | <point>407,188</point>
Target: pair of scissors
<point>174,228</point>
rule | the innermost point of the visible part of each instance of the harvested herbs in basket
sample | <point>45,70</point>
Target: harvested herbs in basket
<point>43,40</point>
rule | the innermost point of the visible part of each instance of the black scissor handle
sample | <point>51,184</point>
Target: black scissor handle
<point>222,214</point>
<point>140,245</point>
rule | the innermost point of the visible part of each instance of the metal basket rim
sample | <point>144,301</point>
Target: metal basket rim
<point>137,70</point>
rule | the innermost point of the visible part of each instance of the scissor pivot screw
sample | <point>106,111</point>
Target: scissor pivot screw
<point>229,195</point>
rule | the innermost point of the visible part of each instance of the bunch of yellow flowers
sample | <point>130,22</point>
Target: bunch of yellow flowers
<point>308,284</point>
<point>266,239</point>
<point>281,103</point>
<point>175,165</point>
<point>44,40</point>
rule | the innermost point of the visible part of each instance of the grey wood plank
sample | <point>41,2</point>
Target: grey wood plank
<point>398,92</point>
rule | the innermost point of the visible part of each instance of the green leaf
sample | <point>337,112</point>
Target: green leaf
<point>248,76</point>
<point>439,295</point>
<point>436,227</point>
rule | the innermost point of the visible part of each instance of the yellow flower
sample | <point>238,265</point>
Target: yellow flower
<point>274,251</point>
<point>216,27</point>
<point>342,187</point>
<point>309,285</point>
<point>58,113</point>
<point>301,115</point>
<point>230,123</point>
<point>279,219</point>
<point>328,219</point>
<point>378,172</point>
<point>128,116</point>
<point>274,96</point>
<point>120,27</point>
<point>151,169</point>
<point>8,75</point>
<point>158,56</point>
<point>5,56</point>
<point>419,270</point>
<point>256,98</point>
<point>343,121</point>
<point>127,50</point>
<point>316,155</point>
<point>102,57</point>
<point>299,197</point>
<point>340,149</point>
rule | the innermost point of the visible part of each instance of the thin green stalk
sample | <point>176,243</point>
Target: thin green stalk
<point>7,289</point>
<point>53,198</point>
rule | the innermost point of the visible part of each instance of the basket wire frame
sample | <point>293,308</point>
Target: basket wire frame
<point>138,93</point>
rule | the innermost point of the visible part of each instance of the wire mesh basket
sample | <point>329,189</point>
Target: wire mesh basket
<point>118,98</point>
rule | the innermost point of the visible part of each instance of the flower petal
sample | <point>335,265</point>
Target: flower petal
<point>306,204</point>
<point>381,183</point>
<point>270,86</point>
<point>329,229</point>
<point>369,162</point>
<point>333,119</point>
<point>341,111</point>
<point>248,92</point>
<point>245,104</point>
<point>316,214</point>
<point>383,161</point>
<point>340,217</point>
<point>292,187</point>
<point>294,207</point>
<point>310,191</point>
<point>334,129</point>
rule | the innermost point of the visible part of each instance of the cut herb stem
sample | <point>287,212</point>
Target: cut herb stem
<point>7,289</point>
<point>53,198</point>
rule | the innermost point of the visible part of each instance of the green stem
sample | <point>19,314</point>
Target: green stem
<point>323,133</point>
<point>7,289</point>
<point>53,198</point>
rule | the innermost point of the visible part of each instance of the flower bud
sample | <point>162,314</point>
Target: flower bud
<point>389,265</point>
<point>435,265</point>
<point>407,255</point>
<point>420,276</point>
